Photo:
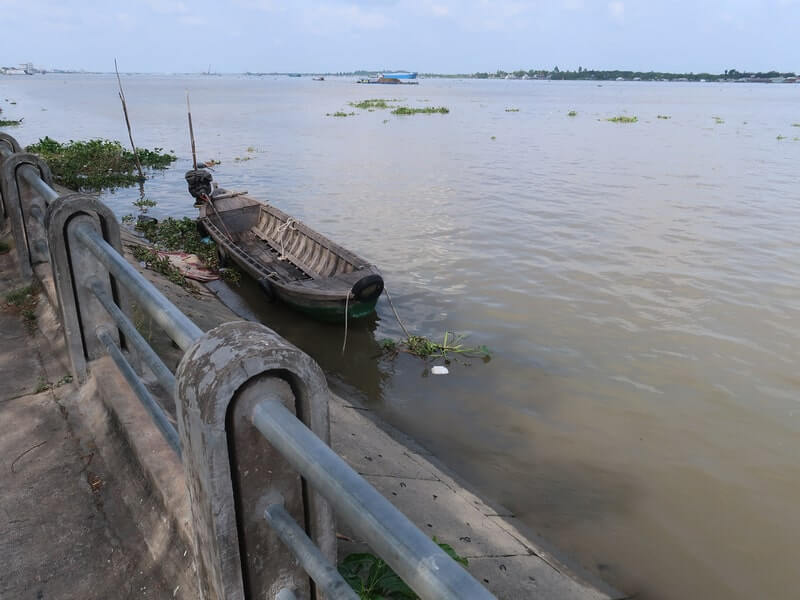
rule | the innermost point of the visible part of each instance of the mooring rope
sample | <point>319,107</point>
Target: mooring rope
<point>346,308</point>
<point>288,226</point>
<point>396,316</point>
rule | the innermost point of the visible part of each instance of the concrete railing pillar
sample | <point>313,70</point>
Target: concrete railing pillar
<point>233,473</point>
<point>8,145</point>
<point>75,268</point>
<point>25,209</point>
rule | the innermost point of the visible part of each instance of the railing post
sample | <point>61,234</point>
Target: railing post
<point>8,145</point>
<point>75,270</point>
<point>25,209</point>
<point>233,474</point>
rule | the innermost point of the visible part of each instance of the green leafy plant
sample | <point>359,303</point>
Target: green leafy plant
<point>97,164</point>
<point>144,203</point>
<point>718,120</point>
<point>340,113</point>
<point>512,110</point>
<point>623,119</point>
<point>780,137</point>
<point>372,579</point>
<point>428,110</point>
<point>10,122</point>
<point>572,113</point>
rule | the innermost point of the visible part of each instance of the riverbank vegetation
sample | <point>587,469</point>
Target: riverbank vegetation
<point>178,235</point>
<point>623,119</point>
<point>97,164</point>
<point>10,122</point>
<point>572,113</point>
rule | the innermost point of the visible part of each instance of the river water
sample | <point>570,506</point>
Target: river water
<point>639,285</point>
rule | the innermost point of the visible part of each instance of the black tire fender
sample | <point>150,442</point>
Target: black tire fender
<point>367,288</point>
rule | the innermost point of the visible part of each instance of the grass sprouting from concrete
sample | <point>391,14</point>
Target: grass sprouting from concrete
<point>97,164</point>
<point>623,119</point>
<point>23,301</point>
<point>428,110</point>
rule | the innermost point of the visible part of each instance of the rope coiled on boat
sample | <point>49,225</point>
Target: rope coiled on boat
<point>288,226</point>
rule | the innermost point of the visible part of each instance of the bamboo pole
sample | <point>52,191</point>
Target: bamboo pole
<point>128,122</point>
<point>191,131</point>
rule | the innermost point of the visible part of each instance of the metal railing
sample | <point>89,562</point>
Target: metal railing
<point>245,399</point>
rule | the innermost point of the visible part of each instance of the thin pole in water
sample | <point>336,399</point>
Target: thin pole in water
<point>127,121</point>
<point>191,131</point>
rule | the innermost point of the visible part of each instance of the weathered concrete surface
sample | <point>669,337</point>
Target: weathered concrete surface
<point>63,531</point>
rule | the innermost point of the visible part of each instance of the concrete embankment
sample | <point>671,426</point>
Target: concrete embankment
<point>99,508</point>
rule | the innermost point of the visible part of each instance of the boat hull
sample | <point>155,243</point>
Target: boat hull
<point>291,262</point>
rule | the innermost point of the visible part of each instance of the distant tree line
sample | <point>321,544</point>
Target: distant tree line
<point>592,74</point>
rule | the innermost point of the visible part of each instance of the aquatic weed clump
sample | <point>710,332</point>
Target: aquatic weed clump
<point>428,110</point>
<point>10,122</point>
<point>424,347</point>
<point>373,103</point>
<point>97,164</point>
<point>623,119</point>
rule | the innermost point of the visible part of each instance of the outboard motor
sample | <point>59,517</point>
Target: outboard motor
<point>199,182</point>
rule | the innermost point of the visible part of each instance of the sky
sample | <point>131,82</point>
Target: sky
<point>442,36</point>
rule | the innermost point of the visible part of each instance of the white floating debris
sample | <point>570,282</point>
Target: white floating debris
<point>439,370</point>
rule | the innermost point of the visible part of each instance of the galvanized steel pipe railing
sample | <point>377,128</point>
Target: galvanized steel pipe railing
<point>308,555</point>
<point>156,412</point>
<point>425,567</point>
<point>177,325</point>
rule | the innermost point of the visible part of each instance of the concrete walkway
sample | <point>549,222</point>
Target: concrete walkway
<point>62,532</point>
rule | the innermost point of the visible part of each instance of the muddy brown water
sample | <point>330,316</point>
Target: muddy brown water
<point>638,284</point>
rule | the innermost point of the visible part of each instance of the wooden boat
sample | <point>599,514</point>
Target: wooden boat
<point>291,261</point>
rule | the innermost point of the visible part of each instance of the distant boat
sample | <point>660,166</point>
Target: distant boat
<point>399,75</point>
<point>389,80</point>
